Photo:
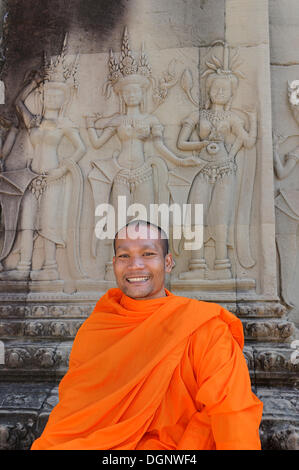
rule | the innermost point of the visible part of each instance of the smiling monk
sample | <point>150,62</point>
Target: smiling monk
<point>151,370</point>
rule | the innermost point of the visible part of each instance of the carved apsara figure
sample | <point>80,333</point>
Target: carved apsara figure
<point>42,192</point>
<point>128,172</point>
<point>287,202</point>
<point>221,135</point>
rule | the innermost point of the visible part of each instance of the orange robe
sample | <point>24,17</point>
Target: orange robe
<point>165,373</point>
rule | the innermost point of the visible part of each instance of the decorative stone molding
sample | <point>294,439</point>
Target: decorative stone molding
<point>270,330</point>
<point>259,310</point>
<point>51,310</point>
<point>35,357</point>
<point>278,429</point>
<point>63,327</point>
<point>272,360</point>
<point>274,363</point>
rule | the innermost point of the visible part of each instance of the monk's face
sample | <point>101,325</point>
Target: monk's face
<point>140,265</point>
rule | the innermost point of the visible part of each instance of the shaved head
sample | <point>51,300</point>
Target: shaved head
<point>133,229</point>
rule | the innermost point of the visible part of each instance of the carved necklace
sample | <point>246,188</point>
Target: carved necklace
<point>131,122</point>
<point>214,117</point>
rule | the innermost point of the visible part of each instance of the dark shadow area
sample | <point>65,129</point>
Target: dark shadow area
<point>34,27</point>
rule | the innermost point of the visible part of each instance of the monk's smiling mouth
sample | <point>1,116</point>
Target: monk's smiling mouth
<point>137,279</point>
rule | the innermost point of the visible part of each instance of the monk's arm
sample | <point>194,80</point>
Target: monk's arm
<point>225,389</point>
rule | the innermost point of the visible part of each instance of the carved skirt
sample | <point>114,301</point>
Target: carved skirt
<point>41,211</point>
<point>218,199</point>
<point>137,185</point>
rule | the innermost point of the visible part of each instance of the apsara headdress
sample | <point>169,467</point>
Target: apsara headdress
<point>228,67</point>
<point>59,71</point>
<point>127,69</point>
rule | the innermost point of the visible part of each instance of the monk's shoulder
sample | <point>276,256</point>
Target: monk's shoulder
<point>218,321</point>
<point>204,309</point>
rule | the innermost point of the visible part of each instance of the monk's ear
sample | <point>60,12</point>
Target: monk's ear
<point>169,263</point>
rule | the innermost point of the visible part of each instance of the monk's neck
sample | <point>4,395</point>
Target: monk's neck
<point>158,295</point>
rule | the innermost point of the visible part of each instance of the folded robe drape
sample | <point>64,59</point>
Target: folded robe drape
<point>166,373</point>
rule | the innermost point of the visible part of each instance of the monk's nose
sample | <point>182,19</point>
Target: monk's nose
<point>136,262</point>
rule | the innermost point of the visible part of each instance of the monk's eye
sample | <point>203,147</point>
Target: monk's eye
<point>148,253</point>
<point>123,256</point>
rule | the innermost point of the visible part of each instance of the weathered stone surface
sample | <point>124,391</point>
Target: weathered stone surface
<point>284,19</point>
<point>216,79</point>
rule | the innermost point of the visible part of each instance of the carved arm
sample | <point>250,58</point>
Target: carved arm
<point>171,157</point>
<point>157,133</point>
<point>250,137</point>
<point>96,140</point>
<point>74,136</point>
<point>244,138</point>
<point>23,112</point>
<point>9,142</point>
<point>183,142</point>
<point>283,170</point>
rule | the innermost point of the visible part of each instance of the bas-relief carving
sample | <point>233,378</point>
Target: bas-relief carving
<point>36,199</point>
<point>224,177</point>
<point>287,204</point>
<point>219,173</point>
<point>129,172</point>
<point>225,155</point>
